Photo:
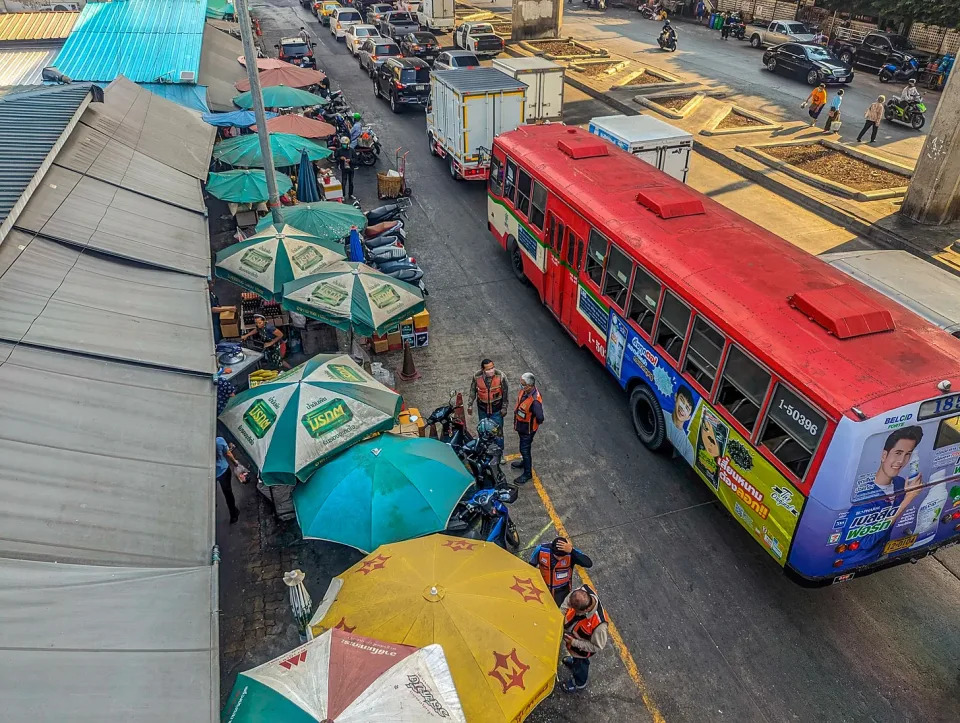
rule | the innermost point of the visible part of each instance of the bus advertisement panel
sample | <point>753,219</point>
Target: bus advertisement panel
<point>753,491</point>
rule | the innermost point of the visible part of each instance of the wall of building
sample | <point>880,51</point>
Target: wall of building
<point>536,19</point>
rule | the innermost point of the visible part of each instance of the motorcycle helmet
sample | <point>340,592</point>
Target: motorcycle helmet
<point>912,81</point>
<point>355,116</point>
<point>345,140</point>
<point>488,428</point>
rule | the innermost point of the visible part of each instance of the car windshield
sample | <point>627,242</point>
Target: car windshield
<point>415,75</point>
<point>465,61</point>
<point>425,38</point>
<point>401,18</point>
<point>364,32</point>
<point>815,52</point>
<point>796,29</point>
<point>901,43</point>
<point>296,49</point>
<point>348,15</point>
<point>481,28</point>
<point>389,49</point>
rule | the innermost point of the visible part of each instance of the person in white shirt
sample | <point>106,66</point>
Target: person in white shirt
<point>910,94</point>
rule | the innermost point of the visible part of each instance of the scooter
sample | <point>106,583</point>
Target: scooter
<point>382,254</point>
<point>388,211</point>
<point>484,516</point>
<point>909,113</point>
<point>737,27</point>
<point>910,68</point>
<point>453,427</point>
<point>368,147</point>
<point>667,40</point>
<point>649,12</point>
<point>385,228</point>
<point>336,103</point>
<point>405,270</point>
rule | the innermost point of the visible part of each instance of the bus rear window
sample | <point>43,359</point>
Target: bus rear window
<point>792,430</point>
<point>743,387</point>
<point>674,319</point>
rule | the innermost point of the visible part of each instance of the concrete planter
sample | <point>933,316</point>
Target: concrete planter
<point>586,51</point>
<point>662,81</point>
<point>762,122</point>
<point>653,102</point>
<point>584,66</point>
<point>758,153</point>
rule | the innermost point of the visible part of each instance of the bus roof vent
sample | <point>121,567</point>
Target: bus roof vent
<point>583,145</point>
<point>670,202</point>
<point>843,311</point>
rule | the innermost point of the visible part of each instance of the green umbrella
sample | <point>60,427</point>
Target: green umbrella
<point>287,148</point>
<point>264,262</point>
<point>354,297</point>
<point>324,219</point>
<point>243,185</point>
<point>280,96</point>
<point>382,490</point>
<point>291,424</point>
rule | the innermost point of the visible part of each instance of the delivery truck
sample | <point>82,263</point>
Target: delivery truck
<point>650,139</point>
<point>544,80</point>
<point>436,15</point>
<point>468,108</point>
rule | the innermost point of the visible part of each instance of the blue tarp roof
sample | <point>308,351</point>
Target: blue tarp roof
<point>148,41</point>
<point>238,118</point>
<point>193,97</point>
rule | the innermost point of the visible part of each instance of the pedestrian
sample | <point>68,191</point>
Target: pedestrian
<point>833,114</point>
<point>816,100</point>
<point>216,308</point>
<point>304,34</point>
<point>225,462</point>
<point>527,417</point>
<point>556,560</point>
<point>725,27</point>
<point>489,390</point>
<point>701,12</point>
<point>871,119</point>
<point>345,160</point>
<point>584,633</point>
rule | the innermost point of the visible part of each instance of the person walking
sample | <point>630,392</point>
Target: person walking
<point>304,35</point>
<point>585,634</point>
<point>833,114</point>
<point>556,560</point>
<point>527,418</point>
<point>488,390</point>
<point>725,28</point>
<point>701,11</point>
<point>345,161</point>
<point>225,459</point>
<point>871,119</point>
<point>816,101</point>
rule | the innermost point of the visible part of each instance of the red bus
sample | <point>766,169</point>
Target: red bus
<point>818,411</point>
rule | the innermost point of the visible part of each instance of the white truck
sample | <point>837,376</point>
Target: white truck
<point>479,38</point>
<point>468,108</point>
<point>544,80</point>
<point>436,15</point>
<point>649,139</point>
<point>779,31</point>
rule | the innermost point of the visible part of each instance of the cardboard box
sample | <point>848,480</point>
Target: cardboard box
<point>229,325</point>
<point>394,341</point>
<point>421,321</point>
<point>406,327</point>
<point>422,338</point>
<point>381,345</point>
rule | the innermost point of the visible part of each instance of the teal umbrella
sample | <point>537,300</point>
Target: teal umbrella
<point>264,262</point>
<point>244,185</point>
<point>280,96</point>
<point>382,490</point>
<point>287,149</point>
<point>324,219</point>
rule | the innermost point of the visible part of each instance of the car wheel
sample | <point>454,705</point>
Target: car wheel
<point>756,42</point>
<point>813,77</point>
<point>772,65</point>
<point>376,88</point>
<point>393,103</point>
<point>648,420</point>
<point>846,57</point>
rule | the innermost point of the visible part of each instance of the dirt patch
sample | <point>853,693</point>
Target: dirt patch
<point>838,167</point>
<point>646,78</point>
<point>737,120</point>
<point>502,28</point>
<point>596,70</point>
<point>559,47</point>
<point>674,103</point>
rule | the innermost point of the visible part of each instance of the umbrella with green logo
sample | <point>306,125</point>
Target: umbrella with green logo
<point>286,147</point>
<point>270,258</point>
<point>244,185</point>
<point>324,219</point>
<point>280,96</point>
<point>290,425</point>
<point>354,297</point>
<point>382,490</point>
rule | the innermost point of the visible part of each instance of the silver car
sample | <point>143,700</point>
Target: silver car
<point>374,51</point>
<point>453,59</point>
<point>356,35</point>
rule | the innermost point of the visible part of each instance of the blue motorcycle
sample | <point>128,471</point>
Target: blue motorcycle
<point>909,68</point>
<point>484,516</point>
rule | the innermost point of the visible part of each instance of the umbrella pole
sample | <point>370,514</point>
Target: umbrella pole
<point>253,74</point>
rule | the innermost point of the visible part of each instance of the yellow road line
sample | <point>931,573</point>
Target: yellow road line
<point>632,670</point>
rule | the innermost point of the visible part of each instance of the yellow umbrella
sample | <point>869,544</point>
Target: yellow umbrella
<point>490,611</point>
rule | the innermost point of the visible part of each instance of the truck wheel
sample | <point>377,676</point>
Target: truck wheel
<point>846,57</point>
<point>453,170</point>
<point>516,259</point>
<point>755,41</point>
<point>430,142</point>
<point>647,417</point>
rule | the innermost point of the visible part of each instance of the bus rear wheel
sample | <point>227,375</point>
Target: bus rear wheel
<point>647,417</point>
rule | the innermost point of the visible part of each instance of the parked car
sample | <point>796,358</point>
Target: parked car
<point>411,6</point>
<point>421,45</point>
<point>780,31</point>
<point>810,62</point>
<point>374,51</point>
<point>374,13</point>
<point>453,59</point>
<point>323,10</point>
<point>404,82</point>
<point>876,50</point>
<point>296,52</point>
<point>397,23</point>
<point>478,38</point>
<point>355,35</point>
<point>306,3</point>
<point>341,19</point>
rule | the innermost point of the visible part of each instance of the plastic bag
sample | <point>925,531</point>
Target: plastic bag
<point>241,473</point>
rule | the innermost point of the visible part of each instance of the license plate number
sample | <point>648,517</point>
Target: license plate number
<point>421,87</point>
<point>896,545</point>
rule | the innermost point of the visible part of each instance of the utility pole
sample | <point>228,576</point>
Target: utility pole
<point>253,74</point>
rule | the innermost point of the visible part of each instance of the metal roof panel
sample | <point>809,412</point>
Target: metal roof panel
<point>36,26</point>
<point>479,79</point>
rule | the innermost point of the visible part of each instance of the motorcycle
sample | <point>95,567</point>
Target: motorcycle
<point>909,113</point>
<point>667,41</point>
<point>910,68</point>
<point>453,427</point>
<point>388,211</point>
<point>405,269</point>
<point>368,147</point>
<point>372,234</point>
<point>484,516</point>
<point>650,12</point>
<point>336,103</point>
<point>737,28</point>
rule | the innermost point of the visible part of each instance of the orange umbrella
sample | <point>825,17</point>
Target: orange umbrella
<point>264,63</point>
<point>298,125</point>
<point>289,75</point>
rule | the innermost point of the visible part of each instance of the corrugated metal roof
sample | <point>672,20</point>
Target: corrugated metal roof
<point>469,80</point>
<point>23,64</point>
<point>36,26</point>
<point>219,69</point>
<point>144,40</point>
<point>32,121</point>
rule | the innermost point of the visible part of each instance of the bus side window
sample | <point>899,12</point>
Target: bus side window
<point>510,182</point>
<point>559,229</point>
<point>539,206</point>
<point>743,387</point>
<point>643,300</point>
<point>524,183</point>
<point>674,320</point>
<point>496,176</point>
<point>596,255</point>
<point>948,433</point>
<point>703,353</point>
<point>791,430</point>
<point>617,279</point>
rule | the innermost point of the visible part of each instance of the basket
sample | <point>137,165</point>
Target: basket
<point>389,186</point>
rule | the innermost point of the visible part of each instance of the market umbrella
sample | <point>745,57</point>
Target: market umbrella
<point>298,125</point>
<point>291,424</point>
<point>280,96</point>
<point>490,611</point>
<point>324,219</point>
<point>263,63</point>
<point>288,75</point>
<point>267,260</point>
<point>307,190</point>
<point>244,185</point>
<point>355,248</point>
<point>347,678</point>
<point>237,118</point>
<point>382,490</point>
<point>354,297</point>
<point>245,150</point>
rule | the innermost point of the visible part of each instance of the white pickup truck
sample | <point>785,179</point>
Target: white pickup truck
<point>780,31</point>
<point>480,38</point>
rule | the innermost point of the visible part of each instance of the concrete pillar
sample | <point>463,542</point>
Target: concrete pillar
<point>536,19</point>
<point>933,197</point>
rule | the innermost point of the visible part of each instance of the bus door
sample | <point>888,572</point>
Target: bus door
<point>553,283</point>
<point>572,257</point>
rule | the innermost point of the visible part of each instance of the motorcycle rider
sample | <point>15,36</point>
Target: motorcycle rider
<point>356,129</point>
<point>910,93</point>
<point>667,33</point>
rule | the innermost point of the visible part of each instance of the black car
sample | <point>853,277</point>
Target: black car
<point>421,45</point>
<point>296,52</point>
<point>403,81</point>
<point>810,62</point>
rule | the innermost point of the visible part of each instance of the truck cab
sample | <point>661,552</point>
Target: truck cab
<point>480,38</point>
<point>781,31</point>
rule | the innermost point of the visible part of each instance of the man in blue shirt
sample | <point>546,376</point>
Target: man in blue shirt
<point>226,460</point>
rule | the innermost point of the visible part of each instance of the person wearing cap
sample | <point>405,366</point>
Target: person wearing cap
<point>910,93</point>
<point>345,160</point>
<point>270,337</point>
<point>555,561</point>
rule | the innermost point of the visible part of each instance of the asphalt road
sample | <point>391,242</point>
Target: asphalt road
<point>716,631</point>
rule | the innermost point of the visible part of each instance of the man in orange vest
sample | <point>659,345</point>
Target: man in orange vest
<point>556,561</point>
<point>527,417</point>
<point>584,633</point>
<point>488,390</point>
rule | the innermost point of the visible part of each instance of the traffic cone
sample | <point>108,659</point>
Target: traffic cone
<point>409,371</point>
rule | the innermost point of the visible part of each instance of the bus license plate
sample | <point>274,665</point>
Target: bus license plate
<point>896,545</point>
